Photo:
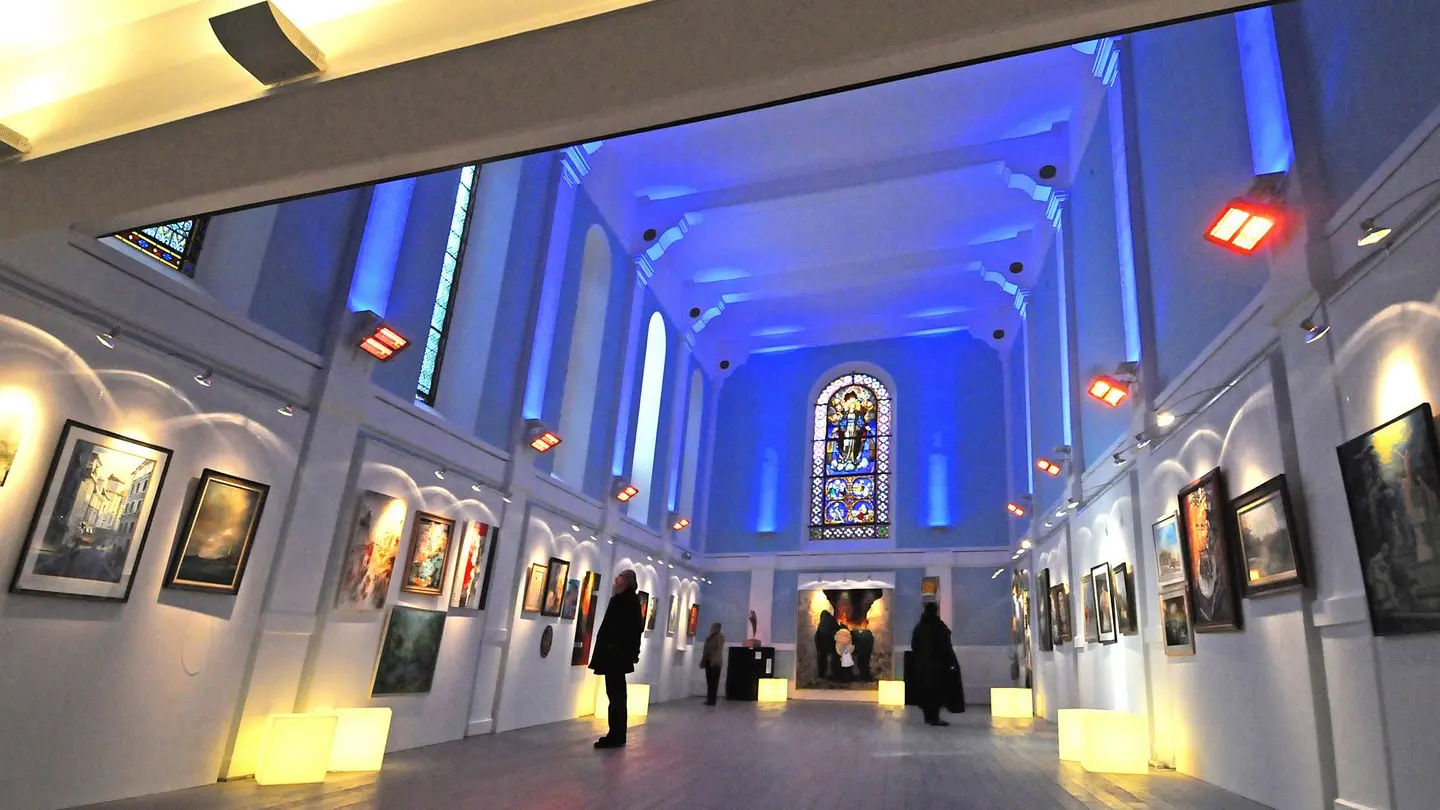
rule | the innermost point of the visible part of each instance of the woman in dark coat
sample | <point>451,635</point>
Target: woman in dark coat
<point>617,650</point>
<point>936,668</point>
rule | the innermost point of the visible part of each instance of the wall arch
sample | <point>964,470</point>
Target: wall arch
<point>647,425</point>
<point>872,480</point>
<point>582,368</point>
<point>694,413</point>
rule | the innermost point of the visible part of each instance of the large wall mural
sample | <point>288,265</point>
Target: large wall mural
<point>845,640</point>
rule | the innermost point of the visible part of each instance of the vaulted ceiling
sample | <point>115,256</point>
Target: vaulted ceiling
<point>911,207</point>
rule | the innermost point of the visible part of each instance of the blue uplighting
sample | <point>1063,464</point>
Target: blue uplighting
<point>380,246</point>
<point>1271,146</point>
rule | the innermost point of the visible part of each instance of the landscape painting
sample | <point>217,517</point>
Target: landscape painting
<point>1169,558</point>
<point>217,533</point>
<point>409,651</point>
<point>95,509</point>
<point>1268,549</point>
<point>844,638</point>
<point>1393,485</point>
<point>370,552</point>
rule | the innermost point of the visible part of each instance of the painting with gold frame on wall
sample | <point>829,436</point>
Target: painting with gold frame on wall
<point>556,575</point>
<point>216,534</point>
<point>534,589</point>
<point>429,554</point>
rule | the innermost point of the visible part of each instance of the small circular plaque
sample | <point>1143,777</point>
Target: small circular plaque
<point>547,639</point>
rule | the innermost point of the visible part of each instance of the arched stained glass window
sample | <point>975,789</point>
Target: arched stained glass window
<point>174,244</point>
<point>850,467</point>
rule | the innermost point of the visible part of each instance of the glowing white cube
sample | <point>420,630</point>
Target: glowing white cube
<point>892,693</point>
<point>1072,733</point>
<point>1116,742</point>
<point>637,700</point>
<point>360,739</point>
<point>1011,702</point>
<point>773,690</point>
<point>296,749</point>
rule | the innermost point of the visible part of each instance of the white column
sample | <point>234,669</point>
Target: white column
<point>762,598</point>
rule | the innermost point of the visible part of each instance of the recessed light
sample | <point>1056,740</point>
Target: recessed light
<point>1016,268</point>
<point>1048,172</point>
<point>694,312</point>
<point>724,364</point>
<point>998,334</point>
<point>650,234</point>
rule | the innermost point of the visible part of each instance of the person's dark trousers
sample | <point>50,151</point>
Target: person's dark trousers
<point>930,709</point>
<point>619,711</point>
<point>712,683</point>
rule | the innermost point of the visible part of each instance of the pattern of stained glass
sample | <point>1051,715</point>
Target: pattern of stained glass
<point>174,244</point>
<point>445,292</point>
<point>850,462</point>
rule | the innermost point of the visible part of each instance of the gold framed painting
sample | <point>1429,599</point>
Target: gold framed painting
<point>215,537</point>
<point>429,554</point>
<point>534,589</point>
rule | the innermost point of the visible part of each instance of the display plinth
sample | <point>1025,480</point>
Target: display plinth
<point>1072,733</point>
<point>773,690</point>
<point>637,700</point>
<point>1116,742</point>
<point>360,737</point>
<point>891,693</point>
<point>744,667</point>
<point>295,749</point>
<point>1011,702</point>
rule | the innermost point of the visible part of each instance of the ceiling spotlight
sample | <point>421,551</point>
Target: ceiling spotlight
<point>540,438</point>
<point>206,378</point>
<point>694,312</point>
<point>669,565</point>
<point>624,490</point>
<point>1246,221</point>
<point>1371,233</point>
<point>593,537</point>
<point>1164,419</point>
<point>1049,524</point>
<point>107,338</point>
<point>610,541</point>
<point>1026,544</point>
<point>724,364</point>
<point>685,555</point>
<point>648,557</point>
<point>1314,331</point>
<point>574,527</point>
<point>506,498</point>
<point>440,474</point>
<point>475,485</point>
<point>378,339</point>
<point>286,410</point>
<point>1142,439</point>
<point>1047,466</point>
<point>1073,503</point>
<point>1060,513</point>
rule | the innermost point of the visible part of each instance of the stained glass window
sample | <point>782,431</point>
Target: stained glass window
<point>445,292</point>
<point>174,244</point>
<point>850,467</point>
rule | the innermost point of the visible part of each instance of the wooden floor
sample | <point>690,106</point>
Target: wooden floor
<point>735,756</point>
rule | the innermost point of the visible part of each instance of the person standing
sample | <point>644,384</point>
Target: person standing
<point>935,662</point>
<point>711,660</point>
<point>617,650</point>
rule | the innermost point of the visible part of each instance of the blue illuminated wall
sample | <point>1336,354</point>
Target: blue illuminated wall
<point>1042,329</point>
<point>980,605</point>
<point>673,388</point>
<point>307,265</point>
<point>726,600</point>
<point>949,401</point>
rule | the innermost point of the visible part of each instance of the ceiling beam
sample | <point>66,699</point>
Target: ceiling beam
<point>641,67</point>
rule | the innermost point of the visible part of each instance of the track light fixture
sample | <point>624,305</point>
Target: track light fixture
<point>609,540</point>
<point>1165,419</point>
<point>206,378</point>
<point>286,410</point>
<point>108,337</point>
<point>506,499</point>
<point>440,473</point>
<point>1372,233</point>
<point>574,527</point>
<point>1073,503</point>
<point>1118,459</point>
<point>1246,221</point>
<point>1142,439</point>
<point>1026,544</point>
<point>475,485</point>
<point>540,438</point>
<point>1314,331</point>
<point>1047,466</point>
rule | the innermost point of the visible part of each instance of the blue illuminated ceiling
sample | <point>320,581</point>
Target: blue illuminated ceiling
<point>885,211</point>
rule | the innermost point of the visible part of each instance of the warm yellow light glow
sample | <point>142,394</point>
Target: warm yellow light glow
<point>892,693</point>
<point>773,690</point>
<point>637,700</point>
<point>1116,742</point>
<point>1010,702</point>
<point>1401,387</point>
<point>1072,733</point>
<point>360,737</point>
<point>1164,419</point>
<point>295,749</point>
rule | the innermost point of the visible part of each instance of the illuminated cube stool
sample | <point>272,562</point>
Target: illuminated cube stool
<point>1072,733</point>
<point>360,739</point>
<point>1116,742</point>
<point>1010,702</point>
<point>892,693</point>
<point>773,690</point>
<point>296,748</point>
<point>637,700</point>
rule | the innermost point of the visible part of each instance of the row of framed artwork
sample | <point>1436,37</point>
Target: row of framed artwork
<point>550,592</point>
<point>1108,607</point>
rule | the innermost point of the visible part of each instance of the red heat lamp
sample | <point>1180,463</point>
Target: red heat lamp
<point>680,523</point>
<point>541,438</point>
<point>1015,509</point>
<point>382,342</point>
<point>1047,466</point>
<point>1246,221</point>
<point>1109,390</point>
<point>624,491</point>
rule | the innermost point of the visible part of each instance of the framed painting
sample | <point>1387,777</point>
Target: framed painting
<point>429,554</point>
<point>1205,536</point>
<point>673,619</point>
<point>1392,483</point>
<point>1269,549</point>
<point>95,510</point>
<point>1169,557</point>
<point>534,589</point>
<point>11,432</point>
<point>929,589</point>
<point>409,650</point>
<point>693,625</point>
<point>1087,594</point>
<point>370,552</point>
<point>471,569</point>
<point>1045,615</point>
<point>650,615</point>
<point>1124,589</point>
<point>215,536</point>
<point>644,598</point>
<point>556,575</point>
<point>572,599</point>
<point>1104,603</point>
<point>1175,613</point>
<point>1055,599</point>
<point>1067,622</point>
<point>589,602</point>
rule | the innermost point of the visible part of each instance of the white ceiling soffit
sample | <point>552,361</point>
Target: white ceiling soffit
<point>369,119</point>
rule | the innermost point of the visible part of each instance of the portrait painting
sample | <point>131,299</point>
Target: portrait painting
<point>429,554</point>
<point>929,589</point>
<point>693,625</point>
<point>1067,622</point>
<point>1056,598</point>
<point>467,592</point>
<point>1392,484</point>
<point>589,603</point>
<point>1087,595</point>
<point>10,435</point>
<point>1269,549</point>
<point>572,599</point>
<point>1104,603</point>
<point>650,614</point>
<point>370,552</point>
<point>556,575</point>
<point>1124,591</point>
<point>1205,537</point>
<point>674,618</point>
<point>534,589</point>
<point>409,651</point>
<point>1169,558</point>
<point>644,597</point>
<point>216,534</point>
<point>845,638</point>
<point>1046,615</point>
<point>1175,613</point>
<point>89,528</point>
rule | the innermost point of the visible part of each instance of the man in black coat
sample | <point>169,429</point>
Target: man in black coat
<point>936,668</point>
<point>617,650</point>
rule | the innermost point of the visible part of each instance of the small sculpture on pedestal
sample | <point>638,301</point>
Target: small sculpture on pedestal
<point>754,640</point>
